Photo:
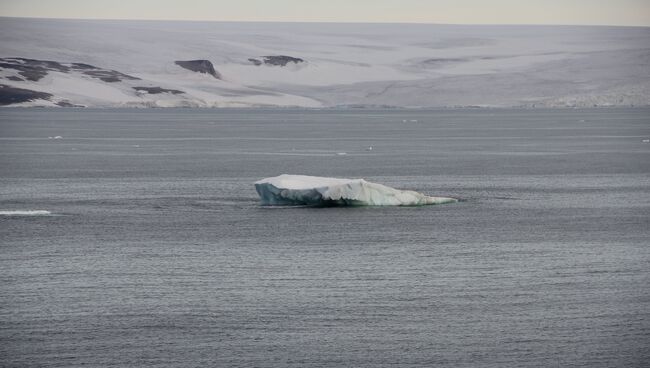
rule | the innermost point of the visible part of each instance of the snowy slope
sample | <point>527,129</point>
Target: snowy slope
<point>339,64</point>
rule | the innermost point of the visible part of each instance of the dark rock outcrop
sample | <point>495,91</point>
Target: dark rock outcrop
<point>12,95</point>
<point>109,76</point>
<point>34,70</point>
<point>199,66</point>
<point>277,60</point>
<point>83,66</point>
<point>67,104</point>
<point>157,90</point>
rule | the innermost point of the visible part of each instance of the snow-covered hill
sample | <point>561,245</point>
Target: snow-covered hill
<point>218,64</point>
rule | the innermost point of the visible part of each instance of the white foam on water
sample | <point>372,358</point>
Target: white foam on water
<point>25,213</point>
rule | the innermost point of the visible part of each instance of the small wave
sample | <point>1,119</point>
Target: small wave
<point>25,213</point>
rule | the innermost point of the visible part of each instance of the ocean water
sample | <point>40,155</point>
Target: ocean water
<point>135,238</point>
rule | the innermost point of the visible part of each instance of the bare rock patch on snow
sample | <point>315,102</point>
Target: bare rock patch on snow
<point>276,60</point>
<point>34,70</point>
<point>12,95</point>
<point>199,66</point>
<point>157,90</point>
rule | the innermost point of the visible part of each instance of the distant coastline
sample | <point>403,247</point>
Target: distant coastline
<point>159,64</point>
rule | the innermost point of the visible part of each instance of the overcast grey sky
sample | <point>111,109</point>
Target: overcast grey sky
<point>606,12</point>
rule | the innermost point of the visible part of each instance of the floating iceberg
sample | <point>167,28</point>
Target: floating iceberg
<point>25,213</point>
<point>318,191</point>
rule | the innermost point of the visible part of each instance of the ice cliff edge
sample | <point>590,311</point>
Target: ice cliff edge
<point>320,191</point>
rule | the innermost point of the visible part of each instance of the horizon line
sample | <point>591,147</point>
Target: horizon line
<point>329,22</point>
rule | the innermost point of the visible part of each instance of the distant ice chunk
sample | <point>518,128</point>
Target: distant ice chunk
<point>318,191</point>
<point>25,213</point>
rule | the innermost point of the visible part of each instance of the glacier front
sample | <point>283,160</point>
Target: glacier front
<point>319,191</point>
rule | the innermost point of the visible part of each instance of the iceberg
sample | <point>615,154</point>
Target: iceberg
<point>286,190</point>
<point>25,213</point>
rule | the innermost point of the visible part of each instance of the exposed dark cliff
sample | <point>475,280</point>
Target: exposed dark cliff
<point>199,66</point>
<point>12,95</point>
<point>34,70</point>
<point>157,90</point>
<point>276,60</point>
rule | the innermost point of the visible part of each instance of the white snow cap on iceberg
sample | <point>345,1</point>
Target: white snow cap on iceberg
<point>319,191</point>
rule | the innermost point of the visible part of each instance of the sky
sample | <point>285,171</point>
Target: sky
<point>579,12</point>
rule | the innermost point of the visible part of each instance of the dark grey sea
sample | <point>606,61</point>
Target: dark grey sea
<point>156,252</point>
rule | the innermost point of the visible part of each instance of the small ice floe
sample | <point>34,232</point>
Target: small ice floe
<point>414,121</point>
<point>136,146</point>
<point>369,148</point>
<point>646,141</point>
<point>341,153</point>
<point>582,120</point>
<point>403,121</point>
<point>58,137</point>
<point>25,213</point>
